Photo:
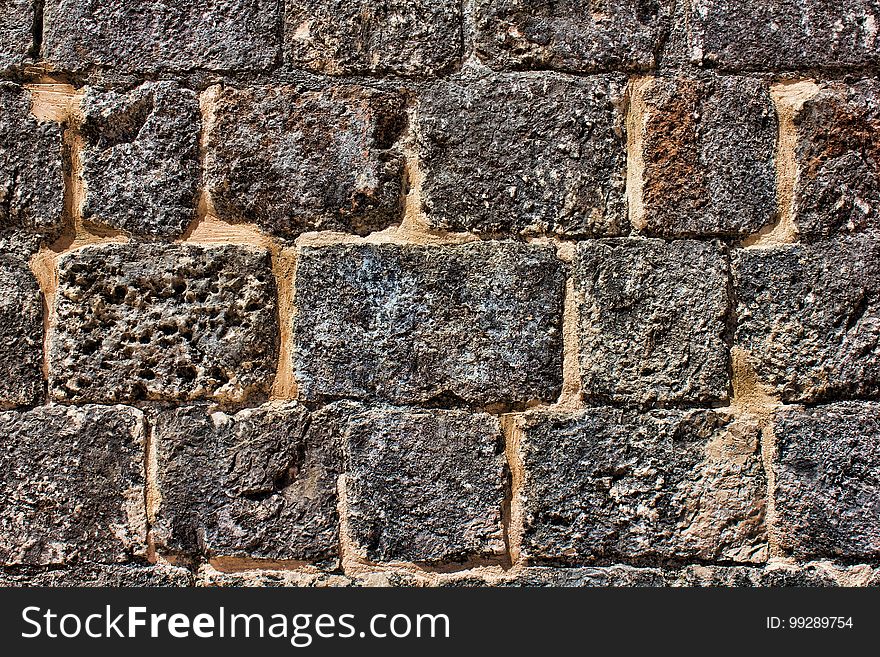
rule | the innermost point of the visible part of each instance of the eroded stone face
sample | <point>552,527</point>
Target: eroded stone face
<point>708,157</point>
<point>21,332</point>
<point>424,485</point>
<point>142,35</point>
<point>652,320</point>
<point>405,37</point>
<point>255,484</point>
<point>166,322</point>
<point>543,576</point>
<point>617,35</point>
<point>140,158</point>
<point>117,575</point>
<point>72,485</point>
<point>827,488</point>
<point>293,160</point>
<point>524,154</point>
<point>31,182</point>
<point>808,317</point>
<point>613,484</point>
<point>16,32</point>
<point>479,322</point>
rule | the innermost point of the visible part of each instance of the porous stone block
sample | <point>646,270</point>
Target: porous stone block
<point>16,32</point>
<point>422,485</point>
<point>707,157</point>
<point>148,36</point>
<point>827,465</point>
<point>775,575</point>
<point>404,37</point>
<point>116,576</point>
<point>612,484</point>
<point>21,332</point>
<point>31,182</point>
<point>140,158</point>
<point>479,322</point>
<point>294,160</point>
<point>524,154</point>
<point>808,317</point>
<point>211,577</point>
<point>255,484</point>
<point>580,37</point>
<point>652,320</point>
<point>760,35</point>
<point>544,576</point>
<point>72,485</point>
<point>164,322</point>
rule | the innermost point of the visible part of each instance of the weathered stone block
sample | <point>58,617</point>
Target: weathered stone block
<point>293,160</point>
<point>543,576</point>
<point>707,155</point>
<point>406,37</point>
<point>116,576</point>
<point>16,32</point>
<point>142,35</point>
<point>758,35</point>
<point>255,484</point>
<point>140,158</point>
<point>479,322</point>
<point>156,321</point>
<point>421,485</point>
<point>652,320</point>
<point>71,485</point>
<point>31,182</point>
<point>808,317</point>
<point>524,154</point>
<point>775,575</point>
<point>838,160</point>
<point>570,36</point>
<point>612,484</point>
<point>210,577</point>
<point>827,488</point>
<point>21,333</point>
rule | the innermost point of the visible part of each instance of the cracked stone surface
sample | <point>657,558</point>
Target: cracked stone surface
<point>72,485</point>
<point>21,332</point>
<point>652,320</point>
<point>524,154</point>
<point>613,484</point>
<point>141,159</point>
<point>808,317</point>
<point>256,484</point>
<point>163,322</point>
<point>479,322</point>
<point>16,32</point>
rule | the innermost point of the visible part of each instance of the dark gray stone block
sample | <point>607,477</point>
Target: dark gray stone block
<point>21,333</point>
<point>115,576</point>
<point>16,32</point>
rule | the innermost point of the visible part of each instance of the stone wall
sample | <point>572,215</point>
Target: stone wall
<point>310,292</point>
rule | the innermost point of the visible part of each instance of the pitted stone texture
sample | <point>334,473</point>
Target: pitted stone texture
<point>808,317</point>
<point>708,152</point>
<point>165,322</point>
<point>211,577</point>
<point>16,32</point>
<point>652,321</point>
<point>524,154</point>
<point>255,484</point>
<point>116,576</point>
<point>612,484</point>
<point>542,576</point>
<point>775,575</point>
<point>838,159</point>
<point>827,488</point>
<point>479,322</point>
<point>421,485</point>
<point>72,485</point>
<point>149,36</point>
<point>21,333</point>
<point>405,37</point>
<point>580,37</point>
<point>31,182</point>
<point>293,160</point>
<point>140,158</point>
<point>760,35</point>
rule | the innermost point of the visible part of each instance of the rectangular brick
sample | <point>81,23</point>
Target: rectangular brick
<point>827,466</point>
<point>707,155</point>
<point>257,484</point>
<point>653,321</point>
<point>294,160</point>
<point>140,158</point>
<point>143,35</point>
<point>531,154</point>
<point>405,37</point>
<point>610,484</point>
<point>21,333</point>
<point>479,322</point>
<point>16,32</point>
<point>165,322</point>
<point>808,317</point>
<point>72,485</point>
